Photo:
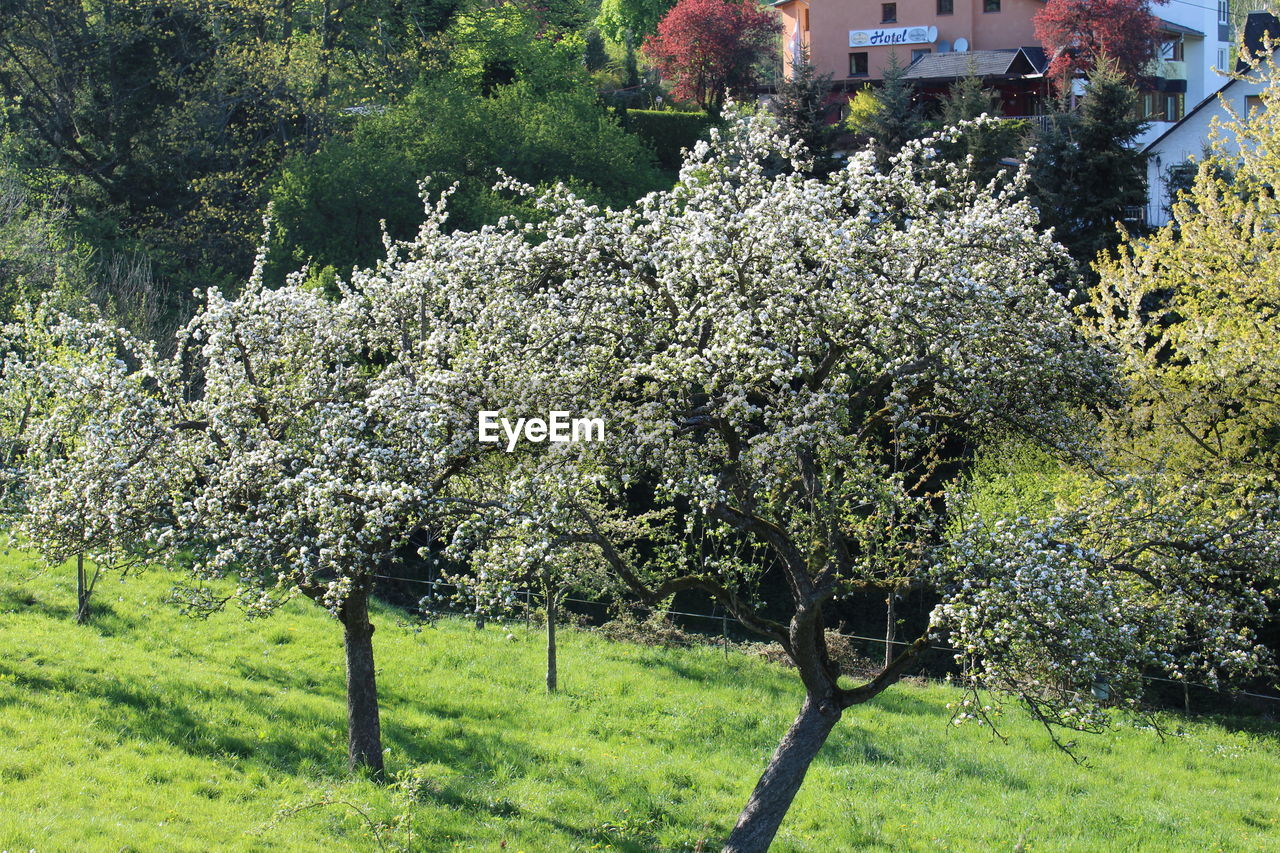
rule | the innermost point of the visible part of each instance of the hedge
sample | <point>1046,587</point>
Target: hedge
<point>667,132</point>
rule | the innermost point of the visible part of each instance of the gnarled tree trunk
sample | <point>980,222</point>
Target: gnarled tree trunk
<point>364,732</point>
<point>773,794</point>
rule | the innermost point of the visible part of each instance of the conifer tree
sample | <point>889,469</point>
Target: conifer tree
<point>1087,171</point>
<point>992,145</point>
<point>803,109</point>
<point>898,119</point>
<point>968,99</point>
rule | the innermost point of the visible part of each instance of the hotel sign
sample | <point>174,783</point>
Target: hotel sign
<point>897,35</point>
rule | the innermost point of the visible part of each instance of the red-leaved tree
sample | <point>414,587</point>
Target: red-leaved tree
<point>1077,33</point>
<point>712,47</point>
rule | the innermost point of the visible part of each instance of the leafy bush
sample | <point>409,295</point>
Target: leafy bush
<point>329,205</point>
<point>668,132</point>
<point>863,108</point>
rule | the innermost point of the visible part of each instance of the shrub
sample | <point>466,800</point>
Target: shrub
<point>329,205</point>
<point>668,132</point>
<point>863,108</point>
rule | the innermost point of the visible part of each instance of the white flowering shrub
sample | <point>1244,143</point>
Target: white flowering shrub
<point>80,396</point>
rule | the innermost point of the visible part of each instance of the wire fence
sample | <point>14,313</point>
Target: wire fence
<point>724,617</point>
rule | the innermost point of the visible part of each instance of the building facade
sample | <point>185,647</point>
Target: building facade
<point>854,40</point>
<point>1172,154</point>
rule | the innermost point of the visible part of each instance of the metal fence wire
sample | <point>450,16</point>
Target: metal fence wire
<point>724,617</point>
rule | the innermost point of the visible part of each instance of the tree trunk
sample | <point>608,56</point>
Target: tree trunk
<point>364,733</point>
<point>551,640</point>
<point>773,794</point>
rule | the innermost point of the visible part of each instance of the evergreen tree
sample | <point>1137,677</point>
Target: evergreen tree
<point>803,108</point>
<point>991,145</point>
<point>898,119</point>
<point>968,99</point>
<point>1088,171</point>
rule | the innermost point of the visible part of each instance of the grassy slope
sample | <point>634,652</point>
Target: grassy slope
<point>149,731</point>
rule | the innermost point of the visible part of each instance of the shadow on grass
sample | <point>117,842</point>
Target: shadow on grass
<point>19,599</point>
<point>1259,727</point>
<point>293,741</point>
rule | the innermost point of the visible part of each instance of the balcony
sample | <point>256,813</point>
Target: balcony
<point>1168,69</point>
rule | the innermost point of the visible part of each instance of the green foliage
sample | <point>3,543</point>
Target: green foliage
<point>163,123</point>
<point>623,20</point>
<point>669,132</point>
<point>897,119</point>
<point>967,99</point>
<point>130,100</point>
<point>993,145</point>
<point>1191,309</point>
<point>38,257</point>
<point>496,46</point>
<point>146,730</point>
<point>329,205</point>
<point>1014,478</point>
<point>1087,171</point>
<point>864,106</point>
<point>803,108</point>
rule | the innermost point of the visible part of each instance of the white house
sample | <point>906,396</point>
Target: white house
<point>1176,144</point>
<point>1195,49</point>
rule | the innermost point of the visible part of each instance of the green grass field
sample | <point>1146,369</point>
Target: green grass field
<point>149,731</point>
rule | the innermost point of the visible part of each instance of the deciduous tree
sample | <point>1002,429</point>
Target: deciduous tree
<point>1192,310</point>
<point>796,398</point>
<point>1076,34</point>
<point>290,446</point>
<point>711,48</point>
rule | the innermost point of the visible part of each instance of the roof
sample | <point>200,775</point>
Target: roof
<point>1258,27</point>
<point>1011,62</point>
<point>1177,29</point>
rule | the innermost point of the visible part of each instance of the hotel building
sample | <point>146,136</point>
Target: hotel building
<point>853,40</point>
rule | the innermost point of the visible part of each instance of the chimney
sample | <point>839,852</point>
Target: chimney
<point>1256,26</point>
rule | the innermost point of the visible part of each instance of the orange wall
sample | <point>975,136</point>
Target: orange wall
<point>831,20</point>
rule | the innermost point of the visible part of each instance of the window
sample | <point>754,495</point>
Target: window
<point>919,52</point>
<point>991,5</point>
<point>1223,58</point>
<point>1172,50</point>
<point>1253,104</point>
<point>858,64</point>
<point>946,7</point>
<point>1163,106</point>
<point>1224,11</point>
<point>888,13</point>
<point>1173,106</point>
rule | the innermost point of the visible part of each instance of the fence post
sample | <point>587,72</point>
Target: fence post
<point>889,629</point>
<point>82,594</point>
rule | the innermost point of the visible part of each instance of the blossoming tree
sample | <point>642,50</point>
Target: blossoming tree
<point>793,372</point>
<point>292,443</point>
